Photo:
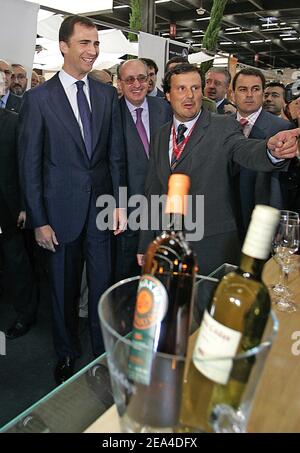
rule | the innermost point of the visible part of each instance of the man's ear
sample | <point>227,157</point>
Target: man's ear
<point>168,96</point>
<point>63,47</point>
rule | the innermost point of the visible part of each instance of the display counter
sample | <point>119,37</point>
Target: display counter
<point>85,403</point>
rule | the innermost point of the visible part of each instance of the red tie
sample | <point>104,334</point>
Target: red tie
<point>244,122</point>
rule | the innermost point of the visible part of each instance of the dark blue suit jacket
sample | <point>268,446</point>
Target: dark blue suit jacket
<point>261,187</point>
<point>56,175</point>
<point>136,160</point>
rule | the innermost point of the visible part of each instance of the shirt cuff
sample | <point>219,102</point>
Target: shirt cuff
<point>273,159</point>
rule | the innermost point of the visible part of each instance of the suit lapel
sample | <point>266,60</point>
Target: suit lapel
<point>61,106</point>
<point>163,159</point>
<point>98,108</point>
<point>259,130</point>
<point>196,135</point>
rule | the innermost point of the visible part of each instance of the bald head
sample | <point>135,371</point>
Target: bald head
<point>101,76</point>
<point>6,71</point>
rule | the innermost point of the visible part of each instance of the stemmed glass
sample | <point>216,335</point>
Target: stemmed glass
<point>285,244</point>
<point>280,288</point>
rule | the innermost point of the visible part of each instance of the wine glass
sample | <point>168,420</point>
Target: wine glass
<point>280,288</point>
<point>285,244</point>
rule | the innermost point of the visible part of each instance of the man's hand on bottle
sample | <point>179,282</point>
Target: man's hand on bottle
<point>284,145</point>
<point>45,237</point>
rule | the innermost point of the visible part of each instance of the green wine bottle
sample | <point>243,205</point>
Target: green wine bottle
<point>234,322</point>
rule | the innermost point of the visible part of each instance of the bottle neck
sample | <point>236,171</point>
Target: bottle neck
<point>252,266</point>
<point>176,222</point>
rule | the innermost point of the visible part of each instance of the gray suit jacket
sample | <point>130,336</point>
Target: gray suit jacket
<point>215,144</point>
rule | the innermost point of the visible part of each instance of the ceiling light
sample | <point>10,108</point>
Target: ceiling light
<point>270,25</point>
<point>238,32</point>
<point>289,39</point>
<point>257,41</point>
<point>121,6</point>
<point>226,43</point>
<point>232,28</point>
<point>162,1</point>
<point>197,31</point>
<point>204,18</point>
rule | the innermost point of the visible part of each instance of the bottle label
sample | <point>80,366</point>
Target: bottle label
<point>150,309</point>
<point>215,341</point>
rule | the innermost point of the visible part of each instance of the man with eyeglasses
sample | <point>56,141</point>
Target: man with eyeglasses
<point>8,100</point>
<point>19,79</point>
<point>142,116</point>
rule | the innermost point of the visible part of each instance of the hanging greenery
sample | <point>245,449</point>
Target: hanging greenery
<point>135,19</point>
<point>210,38</point>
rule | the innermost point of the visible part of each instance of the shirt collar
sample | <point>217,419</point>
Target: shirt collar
<point>219,102</point>
<point>132,107</point>
<point>153,92</point>
<point>5,97</point>
<point>251,118</point>
<point>67,80</point>
<point>188,124</point>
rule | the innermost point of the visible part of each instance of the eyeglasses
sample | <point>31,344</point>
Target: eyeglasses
<point>142,78</point>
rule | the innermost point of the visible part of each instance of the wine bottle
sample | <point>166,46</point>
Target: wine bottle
<point>162,320</point>
<point>234,322</point>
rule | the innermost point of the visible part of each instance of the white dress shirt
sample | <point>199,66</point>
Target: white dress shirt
<point>145,114</point>
<point>70,87</point>
<point>188,125</point>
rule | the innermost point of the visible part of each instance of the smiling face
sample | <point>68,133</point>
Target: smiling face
<point>248,94</point>
<point>81,51</point>
<point>133,81</point>
<point>185,95</point>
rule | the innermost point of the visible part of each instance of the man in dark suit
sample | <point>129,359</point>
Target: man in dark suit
<point>18,275</point>
<point>217,81</point>
<point>256,187</point>
<point>71,152</point>
<point>212,143</point>
<point>152,70</point>
<point>133,81</point>
<point>8,100</point>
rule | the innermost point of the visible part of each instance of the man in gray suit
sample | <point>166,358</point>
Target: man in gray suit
<point>155,111</point>
<point>256,187</point>
<point>213,143</point>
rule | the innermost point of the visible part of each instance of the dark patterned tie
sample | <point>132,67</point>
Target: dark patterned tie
<point>85,116</point>
<point>180,133</point>
<point>179,139</point>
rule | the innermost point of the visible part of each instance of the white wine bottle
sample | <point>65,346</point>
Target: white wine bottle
<point>162,321</point>
<point>234,322</point>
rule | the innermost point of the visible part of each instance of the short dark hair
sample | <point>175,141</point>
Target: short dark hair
<point>151,64</point>
<point>223,71</point>
<point>179,69</point>
<point>177,60</point>
<point>280,85</point>
<point>67,27</point>
<point>249,72</point>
